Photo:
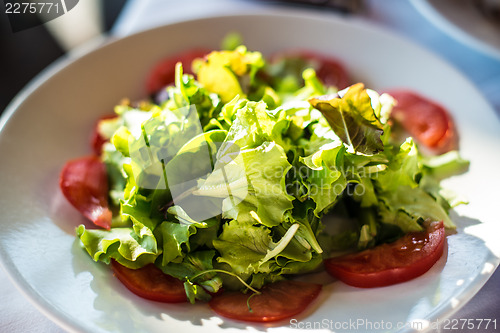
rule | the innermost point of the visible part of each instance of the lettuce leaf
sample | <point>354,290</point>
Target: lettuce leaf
<point>254,125</point>
<point>176,234</point>
<point>249,249</point>
<point>229,73</point>
<point>242,246</point>
<point>403,168</point>
<point>233,175</point>
<point>445,165</point>
<point>324,177</point>
<point>254,180</point>
<point>131,247</point>
<point>353,119</point>
<point>417,204</point>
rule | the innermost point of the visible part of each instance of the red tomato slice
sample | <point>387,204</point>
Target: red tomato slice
<point>329,70</point>
<point>428,122</point>
<point>84,183</point>
<point>277,301</point>
<point>96,139</point>
<point>163,73</point>
<point>387,264</point>
<point>151,283</point>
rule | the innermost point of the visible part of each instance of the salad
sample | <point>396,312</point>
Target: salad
<point>241,173</point>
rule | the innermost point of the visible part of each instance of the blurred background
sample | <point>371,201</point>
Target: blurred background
<point>27,52</point>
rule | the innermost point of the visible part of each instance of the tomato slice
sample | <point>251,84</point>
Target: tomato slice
<point>328,69</point>
<point>151,283</point>
<point>163,73</point>
<point>387,264</point>
<point>96,139</point>
<point>84,183</point>
<point>428,122</point>
<point>277,301</point>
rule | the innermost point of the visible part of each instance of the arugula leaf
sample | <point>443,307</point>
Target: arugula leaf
<point>353,119</point>
<point>196,267</point>
<point>280,246</point>
<point>310,225</point>
<point>194,292</point>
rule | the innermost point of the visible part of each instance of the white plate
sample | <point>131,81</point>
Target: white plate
<point>462,20</point>
<point>50,122</point>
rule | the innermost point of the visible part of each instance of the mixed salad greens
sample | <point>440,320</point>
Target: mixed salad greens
<point>252,171</point>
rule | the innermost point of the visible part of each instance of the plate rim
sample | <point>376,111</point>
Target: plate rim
<point>429,11</point>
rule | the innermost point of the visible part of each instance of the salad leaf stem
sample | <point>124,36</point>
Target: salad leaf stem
<point>248,302</point>
<point>228,273</point>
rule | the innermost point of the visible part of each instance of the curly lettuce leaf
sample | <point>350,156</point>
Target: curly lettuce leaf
<point>403,168</point>
<point>131,247</point>
<point>324,177</point>
<point>445,165</point>
<point>253,249</point>
<point>189,92</point>
<point>200,155</point>
<point>416,204</point>
<point>242,246</point>
<point>253,180</point>
<point>176,234</point>
<point>254,125</point>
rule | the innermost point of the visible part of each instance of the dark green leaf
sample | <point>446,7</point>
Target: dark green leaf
<point>352,118</point>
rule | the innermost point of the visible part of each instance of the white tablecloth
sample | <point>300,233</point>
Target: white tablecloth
<point>18,315</point>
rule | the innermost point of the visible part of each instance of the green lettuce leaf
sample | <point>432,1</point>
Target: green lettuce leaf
<point>192,264</point>
<point>353,119</point>
<point>445,165</point>
<point>250,249</point>
<point>254,125</point>
<point>188,92</point>
<point>242,246</point>
<point>229,73</point>
<point>403,168</point>
<point>310,225</point>
<point>254,180</point>
<point>324,177</point>
<point>417,204</point>
<point>131,247</point>
<point>176,235</point>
